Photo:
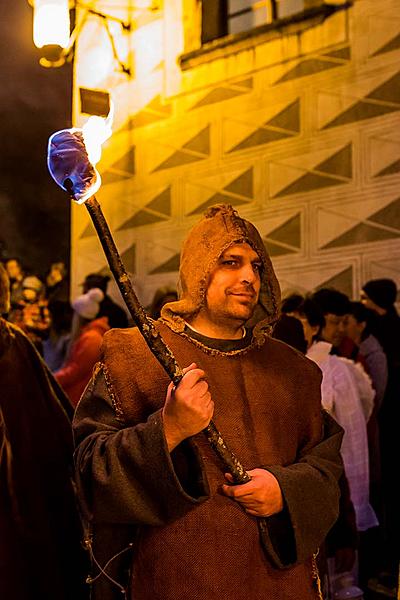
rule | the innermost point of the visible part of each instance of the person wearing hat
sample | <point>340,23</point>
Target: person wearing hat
<point>149,481</point>
<point>31,313</point>
<point>117,317</point>
<point>379,295</point>
<point>88,329</point>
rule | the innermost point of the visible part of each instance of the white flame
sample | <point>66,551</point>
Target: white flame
<point>95,132</point>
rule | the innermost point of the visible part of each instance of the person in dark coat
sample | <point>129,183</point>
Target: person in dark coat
<point>117,317</point>
<point>379,295</point>
<point>40,551</point>
<point>142,462</point>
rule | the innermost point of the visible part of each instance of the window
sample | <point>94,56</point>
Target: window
<point>224,17</point>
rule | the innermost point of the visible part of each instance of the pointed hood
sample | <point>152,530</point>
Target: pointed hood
<point>220,228</point>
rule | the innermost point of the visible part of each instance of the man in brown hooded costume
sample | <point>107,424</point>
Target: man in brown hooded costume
<point>143,465</point>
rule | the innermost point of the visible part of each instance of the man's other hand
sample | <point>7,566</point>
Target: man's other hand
<point>188,408</point>
<point>260,497</point>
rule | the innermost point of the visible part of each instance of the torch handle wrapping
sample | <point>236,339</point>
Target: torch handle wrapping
<point>152,337</point>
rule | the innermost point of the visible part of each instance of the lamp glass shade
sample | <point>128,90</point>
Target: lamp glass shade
<point>51,25</point>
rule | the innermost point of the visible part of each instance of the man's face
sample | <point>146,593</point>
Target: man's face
<point>234,285</point>
<point>334,330</point>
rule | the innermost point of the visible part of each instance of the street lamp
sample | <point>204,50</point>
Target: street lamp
<point>52,28</point>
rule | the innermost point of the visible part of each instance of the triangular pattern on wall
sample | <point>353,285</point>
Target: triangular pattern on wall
<point>390,169</point>
<point>276,249</point>
<point>157,210</point>
<point>284,239</point>
<point>388,216</point>
<point>386,268</point>
<point>237,192</point>
<point>141,218</point>
<point>382,225</point>
<point>283,125</point>
<point>335,170</point>
<point>200,142</point>
<point>382,100</point>
<point>309,66</point>
<point>154,111</point>
<point>219,94</point>
<point>195,149</point>
<point>124,168</point>
<point>387,91</point>
<point>393,44</point>
<point>109,177</point>
<point>242,185</point>
<point>361,234</point>
<point>217,198</point>
<point>128,257</point>
<point>225,92</point>
<point>169,266</point>
<point>162,202</point>
<point>89,231</point>
<point>244,83</point>
<point>317,64</point>
<point>341,53</point>
<point>288,233</point>
<point>343,282</point>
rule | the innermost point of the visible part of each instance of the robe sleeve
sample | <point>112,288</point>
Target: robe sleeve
<point>311,497</point>
<point>126,475</point>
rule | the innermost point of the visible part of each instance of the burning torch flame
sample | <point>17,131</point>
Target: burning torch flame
<point>73,154</point>
<point>95,132</point>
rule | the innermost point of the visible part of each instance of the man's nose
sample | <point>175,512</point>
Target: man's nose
<point>247,274</point>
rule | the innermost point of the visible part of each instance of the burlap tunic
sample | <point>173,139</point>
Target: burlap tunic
<point>195,543</point>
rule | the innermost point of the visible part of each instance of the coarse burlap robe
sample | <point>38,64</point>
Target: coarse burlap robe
<point>267,421</point>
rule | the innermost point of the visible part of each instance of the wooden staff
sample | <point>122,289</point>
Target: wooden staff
<point>153,338</point>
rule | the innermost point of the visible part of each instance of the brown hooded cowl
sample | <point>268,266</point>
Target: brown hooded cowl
<point>194,543</point>
<point>220,228</point>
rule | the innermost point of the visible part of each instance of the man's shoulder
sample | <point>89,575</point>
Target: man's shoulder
<point>120,338</point>
<point>126,343</point>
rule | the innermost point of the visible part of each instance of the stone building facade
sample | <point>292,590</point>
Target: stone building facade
<point>297,125</point>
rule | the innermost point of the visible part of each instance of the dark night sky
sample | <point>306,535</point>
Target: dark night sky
<point>34,102</point>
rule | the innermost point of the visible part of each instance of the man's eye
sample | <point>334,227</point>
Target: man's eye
<point>257,267</point>
<point>229,262</point>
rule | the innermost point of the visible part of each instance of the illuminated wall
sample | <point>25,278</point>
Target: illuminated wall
<point>300,131</point>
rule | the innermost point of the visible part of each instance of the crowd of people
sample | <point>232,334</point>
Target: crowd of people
<point>313,419</point>
<point>350,343</point>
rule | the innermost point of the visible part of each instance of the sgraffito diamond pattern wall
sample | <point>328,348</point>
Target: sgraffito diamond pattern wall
<point>300,134</point>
